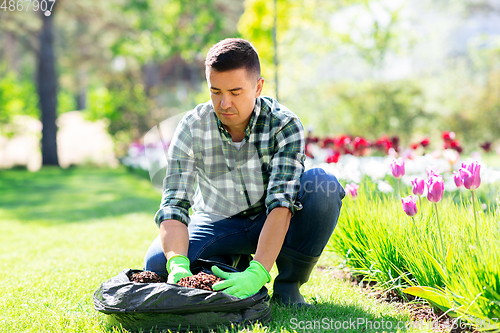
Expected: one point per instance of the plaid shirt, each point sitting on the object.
(207, 172)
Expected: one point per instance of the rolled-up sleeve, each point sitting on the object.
(287, 166)
(178, 189)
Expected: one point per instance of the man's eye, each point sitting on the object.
(216, 92)
(235, 94)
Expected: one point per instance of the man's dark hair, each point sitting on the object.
(233, 53)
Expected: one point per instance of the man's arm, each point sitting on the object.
(272, 236)
(173, 216)
(175, 241)
(174, 238)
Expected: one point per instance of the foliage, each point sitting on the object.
(373, 108)
(124, 104)
(339, 63)
(163, 29)
(293, 17)
(17, 97)
(90, 35)
(472, 95)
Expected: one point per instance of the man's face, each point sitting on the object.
(233, 95)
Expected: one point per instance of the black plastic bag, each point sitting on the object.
(163, 306)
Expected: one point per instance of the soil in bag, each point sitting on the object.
(156, 305)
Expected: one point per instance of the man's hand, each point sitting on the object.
(242, 284)
(178, 267)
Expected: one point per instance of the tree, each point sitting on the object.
(47, 89)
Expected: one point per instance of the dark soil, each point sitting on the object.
(200, 281)
(419, 312)
(146, 277)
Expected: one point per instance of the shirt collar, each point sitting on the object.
(248, 130)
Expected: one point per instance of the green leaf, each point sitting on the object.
(433, 295)
(449, 259)
(435, 263)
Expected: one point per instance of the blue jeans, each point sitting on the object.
(309, 231)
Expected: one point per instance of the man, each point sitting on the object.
(238, 162)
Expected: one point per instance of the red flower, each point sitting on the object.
(425, 142)
(383, 143)
(343, 144)
(414, 146)
(395, 142)
(360, 143)
(486, 146)
(334, 158)
(312, 139)
(455, 144)
(448, 136)
(308, 153)
(342, 140)
(327, 142)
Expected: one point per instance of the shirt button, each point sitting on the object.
(237, 167)
(241, 192)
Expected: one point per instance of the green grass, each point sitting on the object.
(63, 232)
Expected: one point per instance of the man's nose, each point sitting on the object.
(225, 103)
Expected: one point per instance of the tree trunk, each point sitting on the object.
(47, 90)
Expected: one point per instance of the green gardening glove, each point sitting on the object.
(242, 284)
(178, 267)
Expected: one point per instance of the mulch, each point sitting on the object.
(199, 281)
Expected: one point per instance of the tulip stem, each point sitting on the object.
(439, 229)
(420, 204)
(399, 185)
(461, 199)
(475, 219)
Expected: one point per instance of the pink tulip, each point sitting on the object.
(435, 188)
(470, 173)
(458, 179)
(410, 205)
(398, 168)
(352, 190)
(392, 152)
(408, 154)
(418, 186)
(431, 172)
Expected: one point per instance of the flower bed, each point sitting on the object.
(449, 256)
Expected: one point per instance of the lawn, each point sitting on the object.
(66, 231)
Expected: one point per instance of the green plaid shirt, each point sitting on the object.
(207, 172)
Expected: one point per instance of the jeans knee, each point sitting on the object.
(323, 185)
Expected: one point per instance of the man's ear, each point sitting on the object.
(260, 84)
